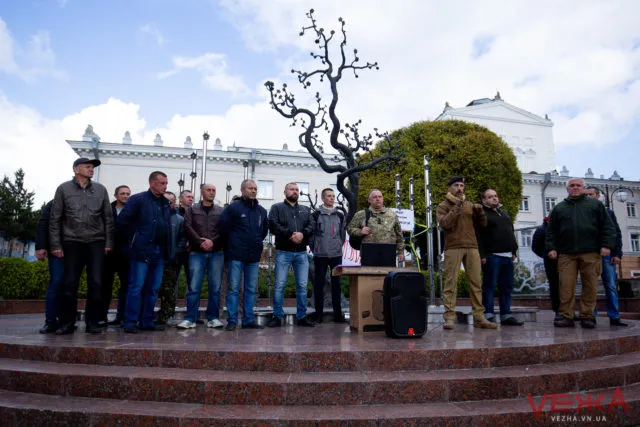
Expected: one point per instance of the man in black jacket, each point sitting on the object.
(81, 232)
(56, 272)
(116, 262)
(498, 248)
(580, 233)
(291, 224)
(609, 263)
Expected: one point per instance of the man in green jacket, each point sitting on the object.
(580, 232)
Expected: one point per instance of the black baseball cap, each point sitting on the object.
(83, 160)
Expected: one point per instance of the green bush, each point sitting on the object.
(21, 279)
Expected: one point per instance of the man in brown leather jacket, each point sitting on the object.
(458, 218)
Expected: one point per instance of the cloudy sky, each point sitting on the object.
(178, 67)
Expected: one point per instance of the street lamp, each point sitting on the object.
(623, 195)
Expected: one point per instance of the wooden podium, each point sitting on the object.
(363, 281)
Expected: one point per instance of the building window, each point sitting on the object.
(265, 189)
(635, 242)
(631, 209)
(303, 187)
(549, 204)
(525, 238)
(524, 204)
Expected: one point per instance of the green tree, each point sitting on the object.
(17, 218)
(454, 148)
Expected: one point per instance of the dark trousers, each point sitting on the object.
(183, 263)
(54, 291)
(114, 263)
(321, 264)
(168, 290)
(77, 256)
(551, 270)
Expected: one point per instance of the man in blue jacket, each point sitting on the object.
(291, 224)
(146, 221)
(609, 263)
(245, 226)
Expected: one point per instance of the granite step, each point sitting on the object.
(215, 352)
(326, 388)
(18, 408)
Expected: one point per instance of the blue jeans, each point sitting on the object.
(300, 262)
(52, 298)
(144, 282)
(497, 270)
(609, 281)
(213, 262)
(250, 269)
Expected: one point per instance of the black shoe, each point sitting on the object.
(115, 322)
(152, 328)
(230, 327)
(339, 318)
(50, 328)
(65, 329)
(93, 328)
(576, 316)
(275, 322)
(103, 324)
(305, 322)
(588, 323)
(558, 317)
(161, 322)
(315, 317)
(200, 322)
(252, 325)
(564, 323)
(131, 329)
(612, 322)
(511, 321)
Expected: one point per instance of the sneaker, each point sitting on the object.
(305, 322)
(448, 324)
(152, 328)
(484, 324)
(186, 324)
(214, 323)
(275, 322)
(65, 329)
(50, 328)
(617, 322)
(173, 322)
(252, 325)
(103, 323)
(588, 323)
(511, 321)
(564, 323)
(230, 327)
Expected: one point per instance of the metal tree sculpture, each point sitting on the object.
(345, 139)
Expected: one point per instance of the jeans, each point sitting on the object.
(300, 262)
(213, 262)
(497, 270)
(52, 298)
(144, 282)
(609, 281)
(321, 264)
(250, 269)
(77, 256)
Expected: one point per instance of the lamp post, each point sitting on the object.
(181, 183)
(228, 191)
(429, 207)
(623, 196)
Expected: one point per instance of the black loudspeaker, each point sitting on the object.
(405, 304)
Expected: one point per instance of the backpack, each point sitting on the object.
(356, 241)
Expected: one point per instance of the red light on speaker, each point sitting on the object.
(411, 332)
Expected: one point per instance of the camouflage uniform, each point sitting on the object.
(168, 291)
(384, 225)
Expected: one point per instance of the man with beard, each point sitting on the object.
(498, 248)
(459, 218)
(291, 224)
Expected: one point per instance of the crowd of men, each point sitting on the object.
(146, 240)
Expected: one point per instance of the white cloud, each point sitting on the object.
(546, 57)
(213, 68)
(151, 30)
(32, 61)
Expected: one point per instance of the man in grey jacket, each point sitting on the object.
(81, 232)
(326, 245)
